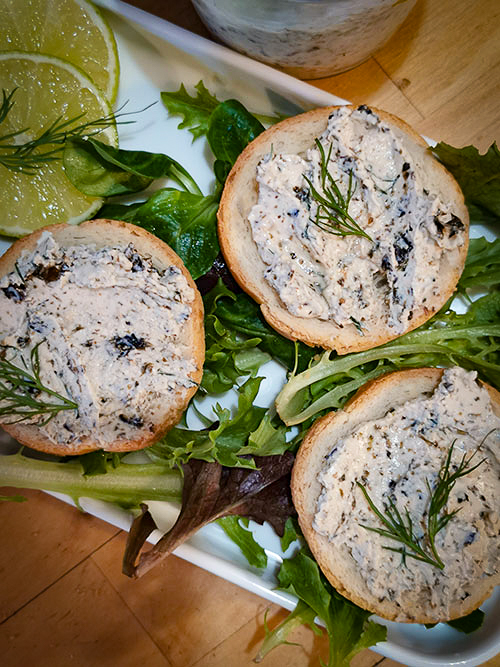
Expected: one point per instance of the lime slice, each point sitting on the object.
(47, 89)
(70, 29)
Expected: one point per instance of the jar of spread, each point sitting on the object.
(306, 38)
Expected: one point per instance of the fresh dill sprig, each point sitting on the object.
(401, 528)
(332, 214)
(29, 156)
(22, 392)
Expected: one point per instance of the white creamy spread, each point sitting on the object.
(352, 279)
(307, 39)
(398, 455)
(109, 326)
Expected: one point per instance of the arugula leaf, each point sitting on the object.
(195, 110)
(230, 440)
(100, 170)
(478, 175)
(234, 527)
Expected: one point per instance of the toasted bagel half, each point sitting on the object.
(346, 293)
(115, 322)
(392, 438)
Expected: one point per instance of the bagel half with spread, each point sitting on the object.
(392, 439)
(286, 247)
(115, 322)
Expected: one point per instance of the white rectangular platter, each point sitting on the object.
(156, 56)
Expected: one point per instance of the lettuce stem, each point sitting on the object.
(128, 484)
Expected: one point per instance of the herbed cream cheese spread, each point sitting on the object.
(399, 455)
(352, 279)
(109, 325)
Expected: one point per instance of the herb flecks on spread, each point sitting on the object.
(23, 395)
(100, 312)
(397, 231)
(402, 463)
(400, 527)
(332, 211)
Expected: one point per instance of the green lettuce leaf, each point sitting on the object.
(230, 441)
(195, 110)
(234, 527)
(348, 627)
(471, 340)
(482, 268)
(229, 355)
(235, 322)
(303, 614)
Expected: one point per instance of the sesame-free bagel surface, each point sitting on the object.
(295, 136)
(341, 560)
(112, 323)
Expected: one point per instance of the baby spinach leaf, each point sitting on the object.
(469, 623)
(118, 211)
(465, 624)
(186, 221)
(195, 110)
(94, 175)
(100, 170)
(230, 130)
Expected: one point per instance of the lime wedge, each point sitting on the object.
(46, 89)
(73, 30)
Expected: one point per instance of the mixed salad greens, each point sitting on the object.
(237, 467)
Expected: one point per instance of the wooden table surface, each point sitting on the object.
(63, 599)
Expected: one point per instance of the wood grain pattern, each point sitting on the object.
(63, 599)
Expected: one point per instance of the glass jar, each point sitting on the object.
(306, 38)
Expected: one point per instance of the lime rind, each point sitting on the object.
(113, 67)
(72, 207)
(78, 73)
(32, 26)
(17, 231)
